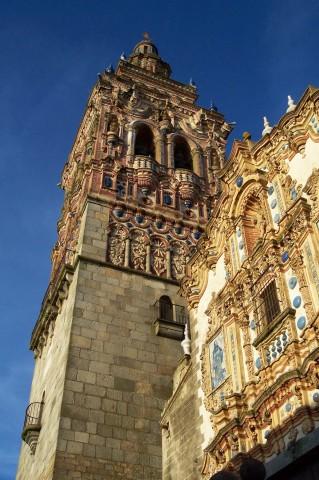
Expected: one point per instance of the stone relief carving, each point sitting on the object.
(116, 245)
(158, 255)
(139, 250)
(178, 259)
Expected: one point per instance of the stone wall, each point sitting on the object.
(119, 373)
(49, 377)
(182, 436)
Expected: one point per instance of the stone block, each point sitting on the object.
(86, 377)
(104, 430)
(89, 450)
(74, 447)
(99, 367)
(109, 406)
(112, 419)
(95, 390)
(79, 425)
(95, 439)
(124, 384)
(105, 380)
(79, 341)
(74, 386)
(92, 402)
(81, 437)
(91, 427)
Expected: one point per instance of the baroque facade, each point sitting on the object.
(156, 220)
(252, 287)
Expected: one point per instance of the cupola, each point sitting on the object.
(145, 55)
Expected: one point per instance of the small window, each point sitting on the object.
(182, 154)
(269, 303)
(166, 308)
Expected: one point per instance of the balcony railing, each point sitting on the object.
(169, 320)
(32, 424)
(145, 163)
(183, 175)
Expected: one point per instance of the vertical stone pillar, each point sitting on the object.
(197, 162)
(131, 143)
(170, 153)
(148, 258)
(244, 325)
(298, 269)
(168, 263)
(127, 253)
(159, 150)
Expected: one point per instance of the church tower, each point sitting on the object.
(139, 185)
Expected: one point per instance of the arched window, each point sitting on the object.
(252, 222)
(166, 308)
(144, 142)
(182, 154)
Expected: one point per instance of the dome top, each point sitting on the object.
(145, 55)
(146, 46)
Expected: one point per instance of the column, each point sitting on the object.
(159, 157)
(148, 258)
(131, 143)
(197, 162)
(127, 253)
(170, 153)
(168, 263)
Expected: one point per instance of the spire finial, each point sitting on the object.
(146, 36)
(186, 343)
(291, 104)
(123, 57)
(267, 127)
(109, 69)
(213, 107)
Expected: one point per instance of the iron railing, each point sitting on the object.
(169, 312)
(32, 417)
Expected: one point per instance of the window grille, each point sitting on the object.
(268, 303)
(166, 311)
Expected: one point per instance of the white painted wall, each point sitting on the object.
(216, 281)
(301, 166)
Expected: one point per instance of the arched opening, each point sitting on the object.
(166, 308)
(252, 222)
(144, 142)
(182, 154)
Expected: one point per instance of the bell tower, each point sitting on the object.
(139, 184)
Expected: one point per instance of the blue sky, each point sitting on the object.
(246, 56)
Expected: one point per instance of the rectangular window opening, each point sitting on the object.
(269, 302)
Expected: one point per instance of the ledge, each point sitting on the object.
(30, 436)
(272, 326)
(167, 329)
(148, 275)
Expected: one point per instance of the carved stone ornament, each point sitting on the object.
(139, 250)
(116, 244)
(137, 105)
(178, 259)
(158, 255)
